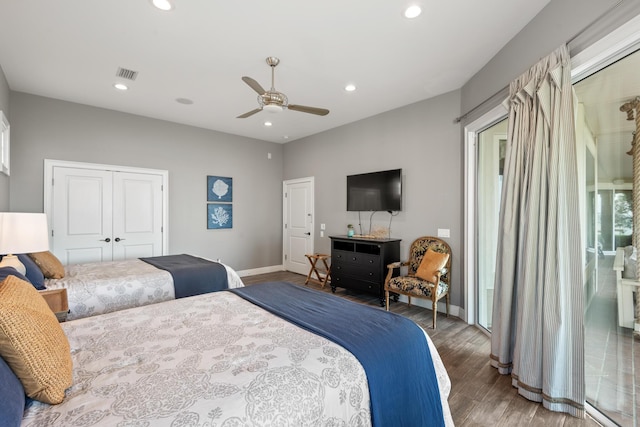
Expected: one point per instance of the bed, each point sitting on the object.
(220, 359)
(103, 287)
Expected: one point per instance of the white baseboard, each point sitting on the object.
(261, 270)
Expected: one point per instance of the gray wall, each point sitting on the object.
(44, 128)
(4, 106)
(559, 22)
(423, 140)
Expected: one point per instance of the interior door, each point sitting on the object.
(81, 219)
(104, 213)
(137, 219)
(298, 238)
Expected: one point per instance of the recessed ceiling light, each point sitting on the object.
(162, 4)
(185, 101)
(268, 123)
(350, 87)
(412, 12)
(285, 137)
(121, 86)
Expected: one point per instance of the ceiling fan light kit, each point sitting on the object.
(272, 108)
(273, 101)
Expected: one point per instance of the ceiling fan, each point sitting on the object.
(272, 100)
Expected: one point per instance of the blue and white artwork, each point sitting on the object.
(219, 215)
(219, 189)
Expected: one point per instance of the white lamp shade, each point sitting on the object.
(22, 233)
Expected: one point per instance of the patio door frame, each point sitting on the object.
(471, 132)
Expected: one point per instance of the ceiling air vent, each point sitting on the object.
(126, 74)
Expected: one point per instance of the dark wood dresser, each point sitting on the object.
(361, 264)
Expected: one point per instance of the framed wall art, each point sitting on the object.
(219, 215)
(219, 189)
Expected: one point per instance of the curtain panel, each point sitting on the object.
(537, 330)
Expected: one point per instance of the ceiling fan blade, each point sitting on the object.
(250, 113)
(310, 110)
(254, 85)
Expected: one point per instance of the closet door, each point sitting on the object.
(137, 215)
(103, 212)
(81, 218)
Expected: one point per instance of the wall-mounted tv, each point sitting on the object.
(375, 191)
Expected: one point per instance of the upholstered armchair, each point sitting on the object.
(428, 271)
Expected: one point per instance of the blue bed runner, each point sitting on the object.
(192, 275)
(392, 349)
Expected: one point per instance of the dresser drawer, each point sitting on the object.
(349, 282)
(355, 257)
(363, 271)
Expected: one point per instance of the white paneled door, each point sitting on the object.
(105, 215)
(297, 224)
(137, 219)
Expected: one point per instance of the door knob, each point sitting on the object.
(308, 233)
(117, 239)
(106, 240)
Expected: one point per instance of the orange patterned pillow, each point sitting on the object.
(50, 266)
(33, 343)
(432, 262)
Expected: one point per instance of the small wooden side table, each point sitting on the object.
(57, 301)
(322, 277)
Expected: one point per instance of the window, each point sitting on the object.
(4, 144)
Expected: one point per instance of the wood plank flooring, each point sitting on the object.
(479, 395)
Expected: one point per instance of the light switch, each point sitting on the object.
(443, 232)
(321, 226)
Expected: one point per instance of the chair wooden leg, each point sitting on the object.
(447, 299)
(409, 303)
(386, 297)
(435, 312)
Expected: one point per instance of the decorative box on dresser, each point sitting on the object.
(360, 264)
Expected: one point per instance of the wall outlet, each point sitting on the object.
(322, 234)
(443, 232)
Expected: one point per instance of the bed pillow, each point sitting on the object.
(10, 271)
(50, 266)
(11, 396)
(34, 274)
(431, 263)
(32, 342)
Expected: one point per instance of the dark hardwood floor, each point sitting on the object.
(479, 395)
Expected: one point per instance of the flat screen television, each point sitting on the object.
(375, 191)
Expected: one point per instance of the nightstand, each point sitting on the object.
(57, 300)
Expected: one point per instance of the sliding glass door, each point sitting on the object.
(604, 135)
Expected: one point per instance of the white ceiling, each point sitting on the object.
(71, 50)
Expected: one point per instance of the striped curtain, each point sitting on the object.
(537, 330)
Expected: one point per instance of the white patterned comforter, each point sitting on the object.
(103, 287)
(209, 360)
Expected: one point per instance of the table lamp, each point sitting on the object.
(22, 233)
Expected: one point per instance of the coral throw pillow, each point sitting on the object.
(50, 266)
(33, 343)
(432, 262)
